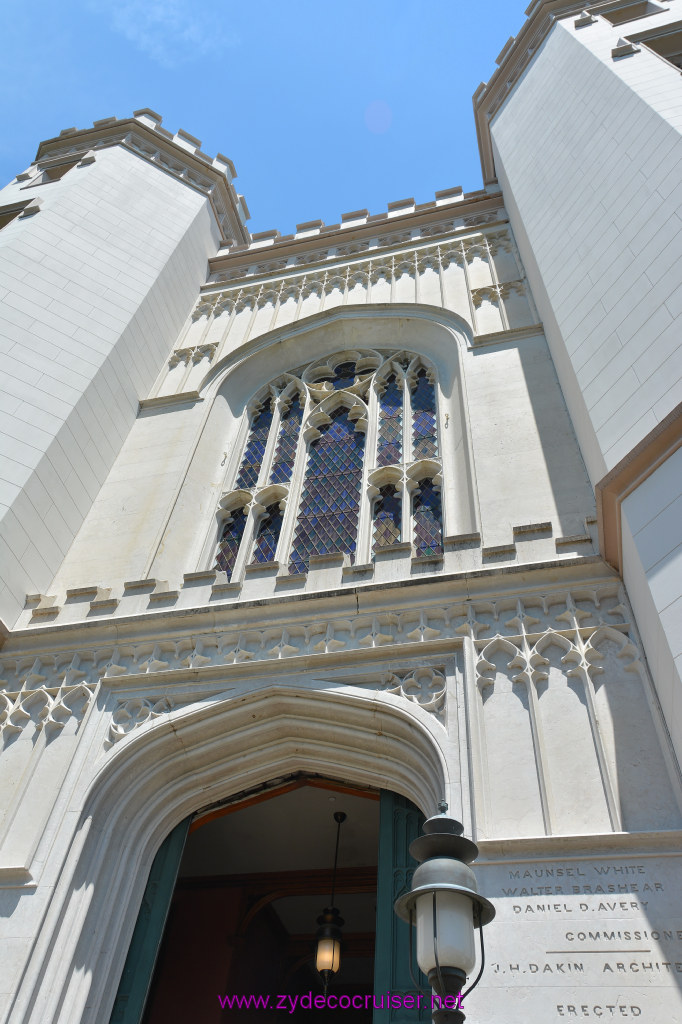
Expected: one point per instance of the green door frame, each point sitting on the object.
(144, 945)
(400, 822)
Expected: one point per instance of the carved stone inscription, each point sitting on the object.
(582, 939)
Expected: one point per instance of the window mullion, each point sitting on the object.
(406, 511)
(268, 454)
(254, 515)
(295, 486)
(363, 548)
(407, 422)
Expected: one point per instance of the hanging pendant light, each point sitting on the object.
(328, 936)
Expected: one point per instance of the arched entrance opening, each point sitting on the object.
(239, 888)
(195, 757)
(254, 876)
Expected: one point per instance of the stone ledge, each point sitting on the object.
(254, 567)
(205, 576)
(546, 847)
(399, 547)
(497, 550)
(183, 398)
(583, 564)
(545, 528)
(16, 878)
(511, 334)
(624, 49)
(578, 538)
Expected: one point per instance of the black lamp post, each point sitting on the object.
(446, 907)
(328, 936)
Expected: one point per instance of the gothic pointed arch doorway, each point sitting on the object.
(240, 887)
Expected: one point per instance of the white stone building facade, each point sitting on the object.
(394, 503)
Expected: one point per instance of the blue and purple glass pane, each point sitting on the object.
(230, 541)
(255, 449)
(285, 454)
(428, 520)
(390, 446)
(343, 377)
(330, 503)
(387, 516)
(424, 437)
(268, 535)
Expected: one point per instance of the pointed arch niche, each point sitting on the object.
(189, 761)
(388, 390)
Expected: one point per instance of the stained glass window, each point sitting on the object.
(424, 439)
(268, 535)
(387, 516)
(230, 541)
(428, 519)
(255, 448)
(390, 446)
(283, 464)
(329, 508)
(329, 476)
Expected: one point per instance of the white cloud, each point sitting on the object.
(170, 32)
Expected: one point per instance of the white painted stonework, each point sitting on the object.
(608, 293)
(513, 671)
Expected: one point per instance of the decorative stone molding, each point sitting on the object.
(131, 713)
(424, 686)
(48, 707)
(378, 265)
(511, 616)
(495, 292)
(578, 705)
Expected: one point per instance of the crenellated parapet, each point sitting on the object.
(179, 155)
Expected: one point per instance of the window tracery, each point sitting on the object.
(316, 477)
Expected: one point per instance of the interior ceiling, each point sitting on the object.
(294, 831)
(286, 836)
(299, 914)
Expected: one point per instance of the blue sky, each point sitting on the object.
(324, 108)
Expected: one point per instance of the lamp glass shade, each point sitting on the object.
(328, 956)
(454, 929)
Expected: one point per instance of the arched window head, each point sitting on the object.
(255, 448)
(424, 433)
(306, 449)
(428, 519)
(267, 538)
(390, 446)
(230, 539)
(330, 502)
(387, 518)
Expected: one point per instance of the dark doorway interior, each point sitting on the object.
(254, 877)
